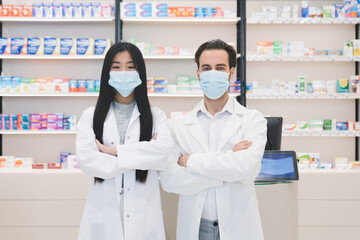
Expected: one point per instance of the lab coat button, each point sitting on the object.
(215, 224)
(128, 137)
(128, 215)
(112, 143)
(128, 189)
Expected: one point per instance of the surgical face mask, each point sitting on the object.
(214, 83)
(124, 81)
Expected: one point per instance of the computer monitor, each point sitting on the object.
(274, 131)
(278, 166)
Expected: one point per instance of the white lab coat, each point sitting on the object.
(143, 218)
(231, 173)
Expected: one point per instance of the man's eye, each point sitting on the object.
(220, 68)
(206, 69)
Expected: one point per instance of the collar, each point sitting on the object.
(231, 106)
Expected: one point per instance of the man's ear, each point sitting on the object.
(232, 73)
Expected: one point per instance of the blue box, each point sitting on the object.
(18, 46)
(101, 46)
(90, 85)
(199, 12)
(14, 121)
(6, 121)
(35, 46)
(341, 126)
(5, 46)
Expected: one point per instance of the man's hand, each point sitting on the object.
(243, 145)
(106, 149)
(183, 160)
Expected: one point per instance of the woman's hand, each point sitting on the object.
(243, 145)
(106, 149)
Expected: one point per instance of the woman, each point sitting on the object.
(121, 144)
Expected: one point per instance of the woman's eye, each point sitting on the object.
(131, 67)
(115, 67)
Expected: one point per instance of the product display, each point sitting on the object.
(341, 10)
(53, 46)
(183, 84)
(58, 10)
(163, 10)
(17, 84)
(304, 88)
(37, 121)
(325, 127)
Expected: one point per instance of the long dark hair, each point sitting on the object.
(107, 94)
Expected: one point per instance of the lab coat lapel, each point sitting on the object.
(110, 128)
(233, 124)
(134, 116)
(197, 132)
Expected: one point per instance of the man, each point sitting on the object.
(219, 146)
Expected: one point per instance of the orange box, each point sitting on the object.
(180, 12)
(189, 12)
(1, 9)
(161, 50)
(7, 10)
(218, 12)
(27, 11)
(264, 43)
(17, 11)
(172, 11)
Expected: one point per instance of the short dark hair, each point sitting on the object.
(217, 44)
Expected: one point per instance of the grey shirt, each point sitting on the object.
(123, 113)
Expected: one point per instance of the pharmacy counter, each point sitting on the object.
(48, 204)
(329, 204)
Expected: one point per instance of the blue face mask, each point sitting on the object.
(214, 83)
(124, 81)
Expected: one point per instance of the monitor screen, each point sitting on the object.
(278, 166)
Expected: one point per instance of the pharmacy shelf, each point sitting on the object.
(336, 134)
(180, 95)
(182, 20)
(260, 58)
(303, 21)
(38, 132)
(49, 94)
(155, 95)
(305, 96)
(33, 19)
(168, 57)
(40, 171)
(53, 57)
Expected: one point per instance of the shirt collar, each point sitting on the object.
(227, 108)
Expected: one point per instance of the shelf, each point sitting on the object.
(259, 58)
(39, 171)
(54, 57)
(337, 96)
(33, 19)
(306, 21)
(180, 95)
(171, 95)
(37, 132)
(49, 94)
(182, 20)
(168, 57)
(338, 134)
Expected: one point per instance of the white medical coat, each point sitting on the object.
(143, 218)
(231, 173)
